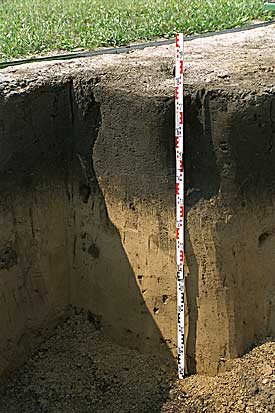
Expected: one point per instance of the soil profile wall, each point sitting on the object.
(87, 210)
(64, 242)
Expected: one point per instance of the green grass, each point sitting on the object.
(30, 27)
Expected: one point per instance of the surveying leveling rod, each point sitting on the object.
(179, 199)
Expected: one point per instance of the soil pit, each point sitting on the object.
(87, 214)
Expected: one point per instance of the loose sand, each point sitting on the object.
(79, 370)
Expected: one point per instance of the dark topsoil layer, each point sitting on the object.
(79, 370)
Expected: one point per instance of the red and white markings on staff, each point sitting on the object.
(180, 199)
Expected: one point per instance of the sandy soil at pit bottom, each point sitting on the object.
(79, 370)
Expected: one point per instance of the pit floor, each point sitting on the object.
(79, 370)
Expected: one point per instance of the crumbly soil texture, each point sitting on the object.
(78, 369)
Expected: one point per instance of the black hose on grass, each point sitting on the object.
(127, 49)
